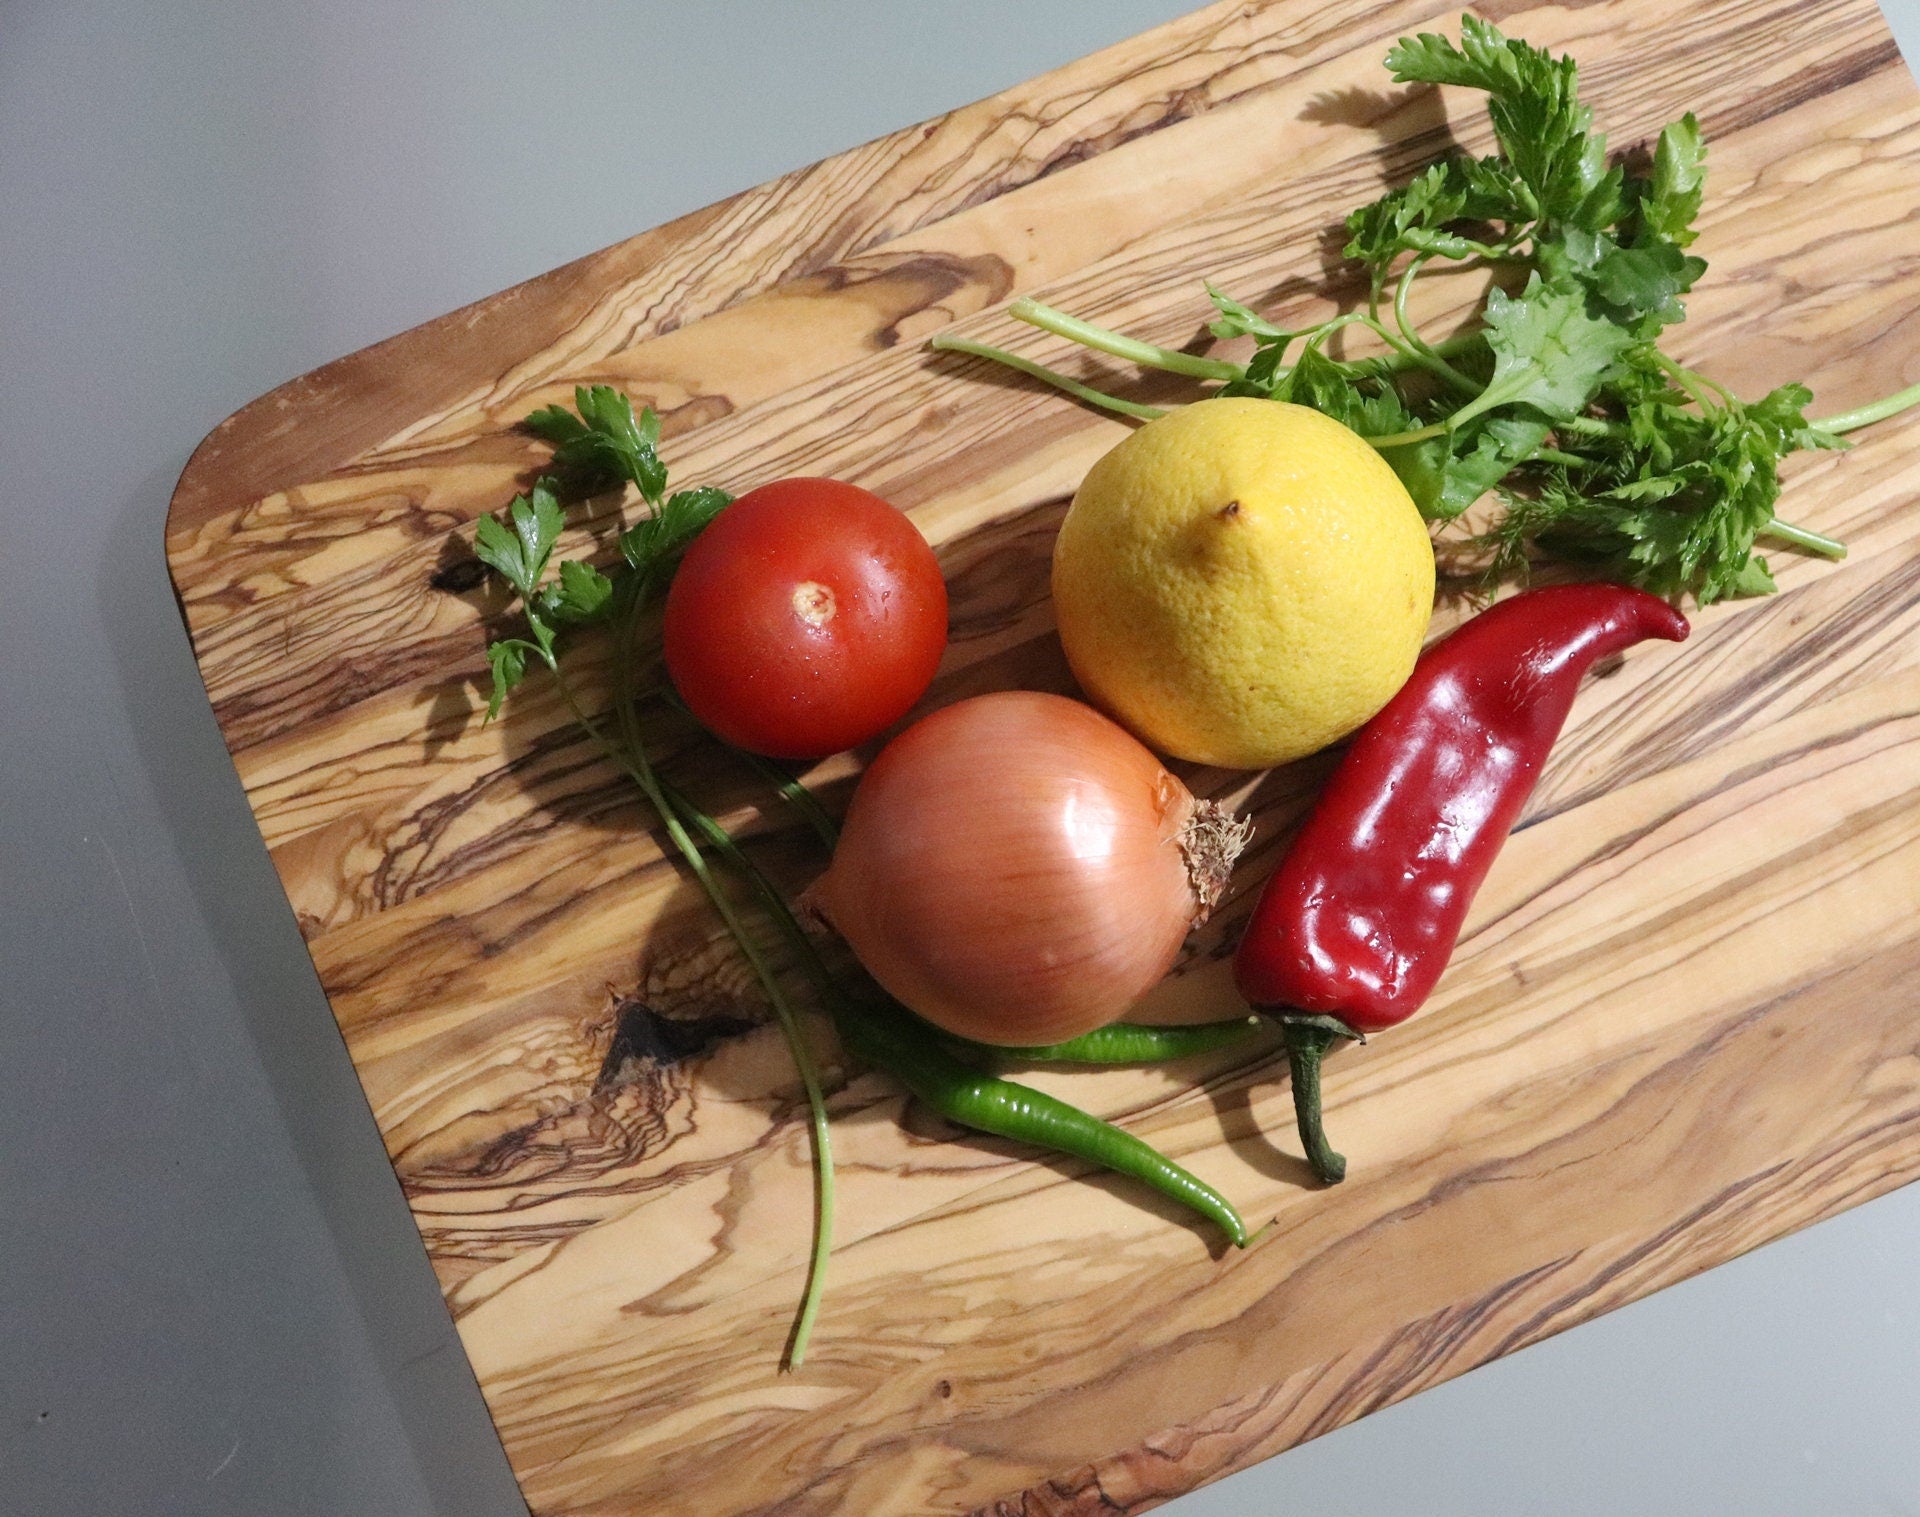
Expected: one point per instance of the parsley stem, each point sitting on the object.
(790, 789)
(1403, 356)
(632, 756)
(1058, 380)
(1460, 342)
(1498, 394)
(771, 901)
(1690, 380)
(587, 723)
(1422, 353)
(1395, 362)
(1879, 410)
(1103, 340)
(795, 795)
(1407, 351)
(1317, 336)
(808, 957)
(1401, 439)
(1801, 537)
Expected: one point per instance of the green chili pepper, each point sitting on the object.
(885, 1037)
(1127, 1043)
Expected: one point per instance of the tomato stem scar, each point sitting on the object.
(813, 603)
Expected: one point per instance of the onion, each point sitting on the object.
(1018, 869)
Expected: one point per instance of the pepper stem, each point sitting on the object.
(1308, 1039)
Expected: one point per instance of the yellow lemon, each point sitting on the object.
(1242, 581)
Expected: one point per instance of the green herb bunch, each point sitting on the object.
(1601, 448)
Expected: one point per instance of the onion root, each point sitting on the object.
(1211, 840)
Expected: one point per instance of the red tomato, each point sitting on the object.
(807, 618)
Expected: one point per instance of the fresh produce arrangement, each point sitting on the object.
(602, 443)
(1241, 582)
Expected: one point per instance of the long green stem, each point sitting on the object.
(1053, 377)
(1316, 338)
(1397, 362)
(1403, 355)
(1493, 395)
(1691, 380)
(1867, 415)
(789, 789)
(1104, 340)
(1802, 537)
(771, 901)
(634, 760)
(802, 800)
(797, 796)
(1423, 353)
(1409, 355)
(1401, 439)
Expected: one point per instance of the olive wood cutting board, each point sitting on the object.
(1682, 1021)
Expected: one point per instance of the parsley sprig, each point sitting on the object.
(1599, 447)
(604, 444)
(601, 443)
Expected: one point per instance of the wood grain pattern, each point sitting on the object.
(1681, 1022)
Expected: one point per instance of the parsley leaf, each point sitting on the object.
(507, 659)
(1549, 351)
(1410, 219)
(583, 594)
(519, 553)
(1647, 280)
(652, 546)
(1444, 478)
(1542, 127)
(557, 425)
(1371, 408)
(606, 441)
(1783, 412)
(1418, 218)
(1679, 182)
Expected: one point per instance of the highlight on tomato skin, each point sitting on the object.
(808, 618)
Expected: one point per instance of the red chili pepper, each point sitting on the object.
(1355, 926)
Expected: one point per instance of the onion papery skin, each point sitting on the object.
(1012, 869)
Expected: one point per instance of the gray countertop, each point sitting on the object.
(212, 1299)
